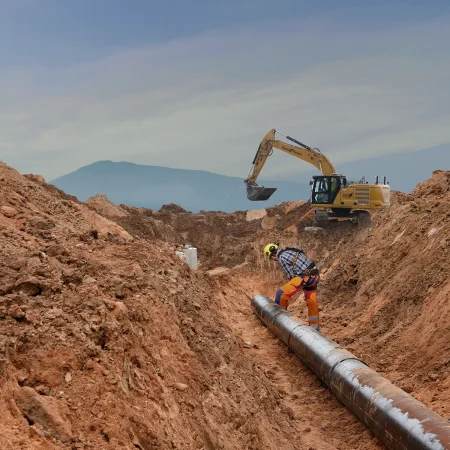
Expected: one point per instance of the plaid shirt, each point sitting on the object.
(287, 257)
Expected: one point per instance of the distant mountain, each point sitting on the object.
(153, 186)
(403, 170)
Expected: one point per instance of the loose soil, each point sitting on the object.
(109, 340)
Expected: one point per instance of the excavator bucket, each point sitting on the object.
(258, 193)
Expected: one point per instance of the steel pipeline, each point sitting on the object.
(396, 418)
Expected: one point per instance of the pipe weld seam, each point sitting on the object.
(341, 361)
(290, 333)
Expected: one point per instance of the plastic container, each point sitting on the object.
(191, 257)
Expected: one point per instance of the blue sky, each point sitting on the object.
(197, 84)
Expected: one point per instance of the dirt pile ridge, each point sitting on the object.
(111, 342)
(105, 207)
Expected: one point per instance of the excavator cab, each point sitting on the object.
(326, 187)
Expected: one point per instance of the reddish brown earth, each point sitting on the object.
(108, 340)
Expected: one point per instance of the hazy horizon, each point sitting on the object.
(197, 85)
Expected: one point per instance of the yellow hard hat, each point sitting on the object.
(271, 249)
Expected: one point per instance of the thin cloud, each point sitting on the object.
(206, 102)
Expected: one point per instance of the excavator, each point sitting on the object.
(331, 197)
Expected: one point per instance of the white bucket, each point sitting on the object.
(191, 257)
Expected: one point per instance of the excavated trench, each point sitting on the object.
(388, 328)
(315, 418)
(396, 418)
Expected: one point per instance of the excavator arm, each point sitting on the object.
(302, 151)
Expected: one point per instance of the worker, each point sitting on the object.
(334, 187)
(302, 274)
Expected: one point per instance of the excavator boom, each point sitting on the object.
(301, 151)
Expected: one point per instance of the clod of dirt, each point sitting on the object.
(16, 313)
(45, 411)
(255, 214)
(29, 285)
(8, 211)
(314, 230)
(268, 223)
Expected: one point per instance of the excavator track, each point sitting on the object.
(321, 217)
(363, 218)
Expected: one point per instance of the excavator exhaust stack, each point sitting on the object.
(258, 193)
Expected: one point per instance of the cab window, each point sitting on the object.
(321, 190)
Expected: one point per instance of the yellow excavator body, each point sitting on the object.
(363, 196)
(330, 194)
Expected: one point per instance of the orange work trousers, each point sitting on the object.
(309, 286)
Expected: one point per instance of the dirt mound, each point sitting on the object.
(222, 239)
(147, 224)
(172, 207)
(105, 207)
(111, 342)
(438, 186)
